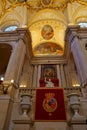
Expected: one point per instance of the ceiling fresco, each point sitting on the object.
(49, 48)
(46, 20)
(47, 32)
(8, 5)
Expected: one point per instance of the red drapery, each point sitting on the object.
(50, 104)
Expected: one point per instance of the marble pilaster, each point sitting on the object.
(73, 34)
(35, 77)
(15, 62)
(25, 20)
(62, 76)
(58, 75)
(31, 76)
(67, 76)
(39, 74)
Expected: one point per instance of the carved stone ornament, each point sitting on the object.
(46, 3)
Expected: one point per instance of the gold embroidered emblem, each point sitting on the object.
(50, 103)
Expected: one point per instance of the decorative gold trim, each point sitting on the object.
(15, 3)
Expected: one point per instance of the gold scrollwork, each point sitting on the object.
(45, 3)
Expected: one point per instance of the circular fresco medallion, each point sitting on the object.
(47, 32)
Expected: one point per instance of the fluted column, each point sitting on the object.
(39, 74)
(58, 75)
(35, 77)
(31, 76)
(16, 61)
(28, 76)
(63, 82)
(67, 76)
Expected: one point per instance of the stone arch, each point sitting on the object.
(10, 19)
(48, 14)
(80, 14)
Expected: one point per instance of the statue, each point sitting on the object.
(49, 84)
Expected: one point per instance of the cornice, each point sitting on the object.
(15, 36)
(48, 60)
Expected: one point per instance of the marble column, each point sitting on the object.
(67, 76)
(62, 76)
(15, 63)
(35, 77)
(80, 60)
(58, 75)
(39, 74)
(31, 76)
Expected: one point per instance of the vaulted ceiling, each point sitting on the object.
(47, 20)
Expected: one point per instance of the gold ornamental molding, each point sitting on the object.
(8, 5)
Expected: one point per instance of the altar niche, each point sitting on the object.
(49, 76)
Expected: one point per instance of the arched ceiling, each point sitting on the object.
(51, 23)
(47, 20)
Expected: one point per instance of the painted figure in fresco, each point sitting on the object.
(47, 32)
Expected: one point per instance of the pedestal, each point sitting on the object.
(50, 126)
(79, 124)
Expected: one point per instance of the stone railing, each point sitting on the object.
(67, 90)
(30, 91)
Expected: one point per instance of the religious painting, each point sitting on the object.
(48, 48)
(50, 104)
(47, 32)
(49, 76)
(48, 71)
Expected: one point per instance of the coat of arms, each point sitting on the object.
(49, 103)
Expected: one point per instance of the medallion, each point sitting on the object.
(47, 32)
